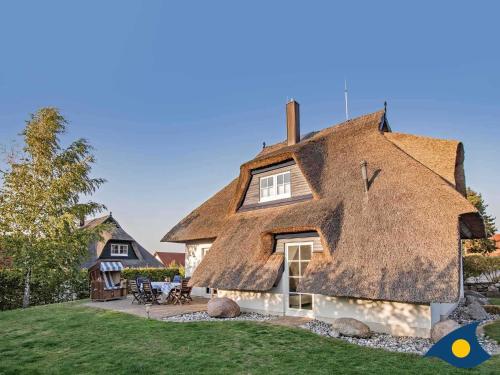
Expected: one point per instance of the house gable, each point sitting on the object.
(137, 255)
(106, 251)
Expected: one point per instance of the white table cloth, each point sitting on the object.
(165, 288)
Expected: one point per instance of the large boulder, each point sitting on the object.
(441, 329)
(351, 327)
(473, 299)
(223, 307)
(476, 311)
(473, 293)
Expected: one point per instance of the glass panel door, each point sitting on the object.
(297, 258)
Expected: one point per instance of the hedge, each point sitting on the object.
(44, 290)
(154, 274)
(54, 289)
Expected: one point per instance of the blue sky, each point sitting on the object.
(175, 96)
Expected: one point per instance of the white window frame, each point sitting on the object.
(291, 310)
(275, 195)
(119, 250)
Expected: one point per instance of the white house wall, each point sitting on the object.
(400, 319)
(403, 319)
(193, 259)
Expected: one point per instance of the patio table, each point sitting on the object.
(165, 288)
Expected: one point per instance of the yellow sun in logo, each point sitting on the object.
(460, 348)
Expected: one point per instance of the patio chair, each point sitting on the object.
(181, 294)
(136, 292)
(139, 280)
(186, 290)
(149, 293)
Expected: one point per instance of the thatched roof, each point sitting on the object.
(444, 157)
(144, 257)
(397, 242)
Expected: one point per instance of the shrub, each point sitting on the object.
(52, 288)
(154, 274)
(477, 265)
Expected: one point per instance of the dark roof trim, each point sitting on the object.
(384, 123)
(296, 235)
(276, 203)
(272, 167)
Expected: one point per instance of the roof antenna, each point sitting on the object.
(346, 102)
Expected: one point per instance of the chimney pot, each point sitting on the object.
(292, 122)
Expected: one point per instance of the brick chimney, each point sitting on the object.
(292, 122)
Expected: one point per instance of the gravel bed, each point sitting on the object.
(203, 316)
(461, 316)
(400, 344)
(378, 340)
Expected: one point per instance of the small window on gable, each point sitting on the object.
(119, 250)
(274, 187)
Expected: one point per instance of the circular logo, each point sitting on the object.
(460, 348)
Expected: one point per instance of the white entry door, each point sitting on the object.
(297, 257)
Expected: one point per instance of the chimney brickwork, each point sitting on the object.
(292, 122)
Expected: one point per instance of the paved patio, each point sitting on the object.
(156, 311)
(163, 311)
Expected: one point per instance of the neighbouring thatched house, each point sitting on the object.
(351, 221)
(116, 245)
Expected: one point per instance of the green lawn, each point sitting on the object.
(70, 339)
(494, 301)
(493, 331)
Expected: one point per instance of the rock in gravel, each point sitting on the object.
(473, 293)
(476, 297)
(477, 312)
(471, 299)
(441, 329)
(223, 307)
(351, 327)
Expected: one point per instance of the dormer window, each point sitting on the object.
(274, 187)
(119, 250)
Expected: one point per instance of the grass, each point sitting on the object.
(493, 331)
(494, 301)
(71, 339)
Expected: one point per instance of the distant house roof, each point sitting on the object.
(398, 242)
(144, 257)
(496, 238)
(167, 257)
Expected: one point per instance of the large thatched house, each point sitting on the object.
(351, 221)
(117, 245)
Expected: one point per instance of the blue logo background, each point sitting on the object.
(443, 348)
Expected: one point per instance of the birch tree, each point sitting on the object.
(41, 201)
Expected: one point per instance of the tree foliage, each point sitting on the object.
(40, 201)
(482, 267)
(484, 245)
